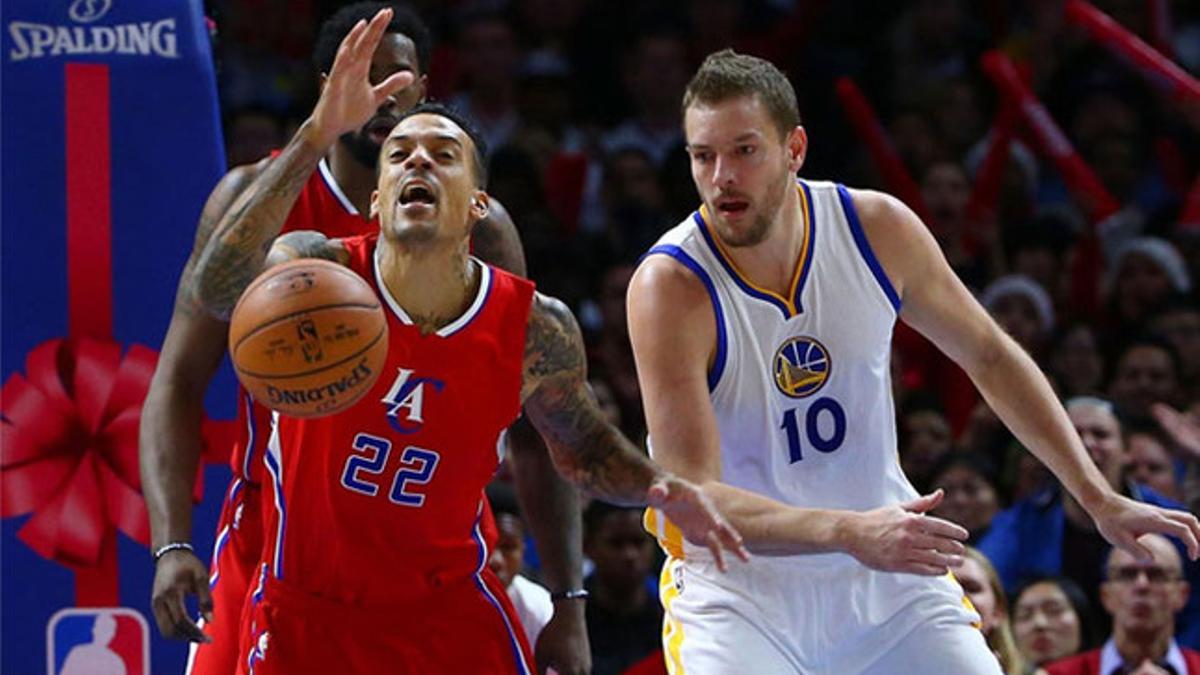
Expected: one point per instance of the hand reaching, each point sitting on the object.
(1183, 428)
(349, 99)
(1122, 520)
(694, 514)
(902, 538)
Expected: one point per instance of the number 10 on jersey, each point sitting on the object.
(824, 428)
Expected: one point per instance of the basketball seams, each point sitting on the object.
(379, 335)
(300, 312)
(272, 273)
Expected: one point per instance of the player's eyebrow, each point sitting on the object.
(740, 138)
(443, 137)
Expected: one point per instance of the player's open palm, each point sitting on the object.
(349, 99)
(176, 576)
(1122, 520)
(693, 513)
(902, 538)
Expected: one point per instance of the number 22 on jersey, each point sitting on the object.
(416, 468)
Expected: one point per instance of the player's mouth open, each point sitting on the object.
(732, 207)
(418, 194)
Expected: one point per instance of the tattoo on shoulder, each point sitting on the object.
(553, 344)
(222, 197)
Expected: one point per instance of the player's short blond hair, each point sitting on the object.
(727, 74)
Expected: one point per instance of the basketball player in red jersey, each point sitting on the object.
(334, 200)
(392, 488)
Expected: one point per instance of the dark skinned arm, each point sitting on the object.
(169, 440)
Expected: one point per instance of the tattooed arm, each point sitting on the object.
(588, 450)
(236, 251)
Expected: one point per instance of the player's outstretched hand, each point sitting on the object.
(177, 575)
(693, 513)
(1122, 520)
(349, 99)
(902, 538)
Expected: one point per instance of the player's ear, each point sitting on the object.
(479, 205)
(374, 204)
(422, 86)
(322, 79)
(797, 145)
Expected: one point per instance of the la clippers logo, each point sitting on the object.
(87, 11)
(407, 398)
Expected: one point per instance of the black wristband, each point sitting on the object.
(173, 546)
(574, 594)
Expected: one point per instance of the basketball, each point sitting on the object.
(308, 338)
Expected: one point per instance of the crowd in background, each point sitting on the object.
(579, 104)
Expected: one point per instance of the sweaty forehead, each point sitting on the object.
(428, 125)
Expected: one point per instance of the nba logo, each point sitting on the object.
(97, 641)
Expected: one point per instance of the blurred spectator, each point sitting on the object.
(1150, 460)
(924, 438)
(1145, 272)
(624, 618)
(487, 61)
(1143, 598)
(912, 131)
(530, 600)
(1146, 371)
(655, 74)
(633, 203)
(251, 133)
(1179, 323)
(958, 114)
(932, 40)
(945, 188)
(1037, 249)
(613, 355)
(1050, 620)
(1023, 309)
(1050, 533)
(969, 483)
(980, 583)
(1076, 366)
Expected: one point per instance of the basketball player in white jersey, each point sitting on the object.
(762, 331)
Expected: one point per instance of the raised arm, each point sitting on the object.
(169, 439)
(588, 450)
(673, 329)
(939, 306)
(235, 253)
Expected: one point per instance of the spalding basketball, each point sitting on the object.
(308, 338)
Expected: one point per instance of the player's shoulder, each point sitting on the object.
(674, 269)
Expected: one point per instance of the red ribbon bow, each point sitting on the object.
(68, 446)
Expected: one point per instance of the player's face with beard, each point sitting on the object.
(741, 166)
(396, 53)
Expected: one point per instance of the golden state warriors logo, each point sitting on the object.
(801, 366)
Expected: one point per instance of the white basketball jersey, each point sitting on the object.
(801, 384)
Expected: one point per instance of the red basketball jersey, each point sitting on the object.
(383, 501)
(321, 206)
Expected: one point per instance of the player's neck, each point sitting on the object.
(433, 284)
(354, 178)
(771, 263)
